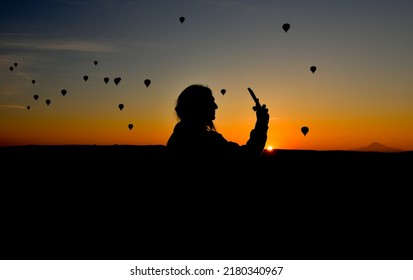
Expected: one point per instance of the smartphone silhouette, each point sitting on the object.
(257, 102)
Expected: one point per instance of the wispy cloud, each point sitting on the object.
(19, 34)
(30, 41)
(13, 106)
(80, 46)
(106, 3)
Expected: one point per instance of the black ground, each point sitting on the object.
(132, 202)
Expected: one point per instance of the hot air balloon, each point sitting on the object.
(182, 19)
(304, 130)
(85, 77)
(35, 97)
(117, 80)
(11, 68)
(15, 64)
(28, 107)
(121, 106)
(286, 27)
(147, 82)
(95, 62)
(130, 126)
(33, 82)
(48, 102)
(106, 79)
(313, 68)
(223, 91)
(63, 91)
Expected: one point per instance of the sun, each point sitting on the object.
(269, 148)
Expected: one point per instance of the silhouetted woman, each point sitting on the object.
(195, 140)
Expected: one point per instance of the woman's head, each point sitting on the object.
(196, 103)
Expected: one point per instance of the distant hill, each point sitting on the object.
(377, 147)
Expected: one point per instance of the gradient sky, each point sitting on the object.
(361, 92)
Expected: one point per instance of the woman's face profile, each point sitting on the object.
(210, 108)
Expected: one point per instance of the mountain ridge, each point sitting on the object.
(377, 147)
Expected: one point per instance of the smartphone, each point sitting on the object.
(257, 102)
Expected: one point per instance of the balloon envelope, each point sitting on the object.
(28, 107)
(48, 102)
(313, 68)
(35, 97)
(11, 68)
(130, 126)
(95, 62)
(63, 91)
(85, 78)
(33, 82)
(182, 19)
(117, 80)
(223, 91)
(286, 26)
(121, 106)
(15, 64)
(147, 82)
(106, 79)
(305, 130)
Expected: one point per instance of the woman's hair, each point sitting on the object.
(193, 105)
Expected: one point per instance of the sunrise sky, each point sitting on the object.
(361, 92)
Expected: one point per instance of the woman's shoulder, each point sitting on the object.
(215, 135)
(220, 139)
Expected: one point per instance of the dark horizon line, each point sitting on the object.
(360, 150)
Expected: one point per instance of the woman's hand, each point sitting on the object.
(263, 117)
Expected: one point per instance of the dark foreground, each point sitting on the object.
(132, 202)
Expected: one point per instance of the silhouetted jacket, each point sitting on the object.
(194, 143)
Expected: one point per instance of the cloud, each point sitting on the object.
(30, 42)
(13, 106)
(107, 4)
(80, 46)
